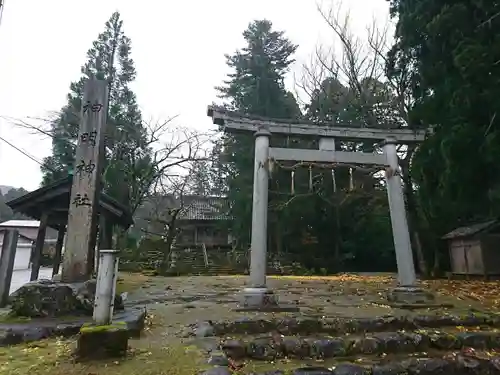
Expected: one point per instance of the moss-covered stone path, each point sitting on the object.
(344, 327)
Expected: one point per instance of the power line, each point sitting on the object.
(22, 152)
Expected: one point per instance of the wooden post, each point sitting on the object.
(58, 254)
(86, 183)
(39, 243)
(9, 246)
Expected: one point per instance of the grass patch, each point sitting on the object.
(8, 318)
(53, 357)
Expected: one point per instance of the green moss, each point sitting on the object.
(11, 318)
(482, 315)
(89, 327)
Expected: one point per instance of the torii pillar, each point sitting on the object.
(257, 296)
(407, 292)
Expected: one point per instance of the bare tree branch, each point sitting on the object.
(167, 148)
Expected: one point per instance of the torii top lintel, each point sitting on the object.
(236, 122)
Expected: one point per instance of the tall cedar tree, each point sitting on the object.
(256, 87)
(128, 166)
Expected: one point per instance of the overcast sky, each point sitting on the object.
(178, 47)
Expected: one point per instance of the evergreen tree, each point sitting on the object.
(255, 87)
(128, 166)
(6, 212)
(450, 49)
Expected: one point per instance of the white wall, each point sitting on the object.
(23, 253)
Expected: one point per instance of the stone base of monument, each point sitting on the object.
(35, 329)
(411, 297)
(262, 299)
(49, 298)
(101, 342)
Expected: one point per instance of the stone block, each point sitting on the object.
(262, 348)
(312, 370)
(258, 297)
(410, 296)
(49, 298)
(101, 342)
(295, 347)
(330, 347)
(218, 358)
(350, 369)
(45, 298)
(234, 349)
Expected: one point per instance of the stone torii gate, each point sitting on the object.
(258, 295)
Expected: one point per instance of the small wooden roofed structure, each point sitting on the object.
(50, 205)
(238, 122)
(475, 249)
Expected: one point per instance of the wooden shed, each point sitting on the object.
(475, 250)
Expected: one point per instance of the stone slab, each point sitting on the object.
(270, 308)
(416, 306)
(458, 364)
(38, 329)
(410, 296)
(258, 298)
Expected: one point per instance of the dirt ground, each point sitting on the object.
(173, 303)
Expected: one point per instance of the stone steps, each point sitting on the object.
(272, 347)
(409, 345)
(450, 364)
(340, 326)
(194, 261)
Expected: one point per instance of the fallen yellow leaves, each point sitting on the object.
(341, 278)
(484, 292)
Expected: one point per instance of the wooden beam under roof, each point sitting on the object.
(236, 122)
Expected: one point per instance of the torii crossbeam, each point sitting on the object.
(258, 295)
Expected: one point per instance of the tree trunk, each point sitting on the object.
(171, 233)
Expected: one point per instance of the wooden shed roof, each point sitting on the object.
(470, 230)
(55, 199)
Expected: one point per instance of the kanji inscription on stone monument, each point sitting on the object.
(86, 183)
